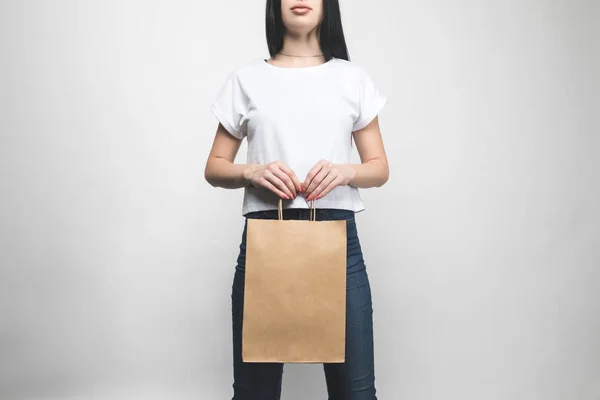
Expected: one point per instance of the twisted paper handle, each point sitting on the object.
(312, 215)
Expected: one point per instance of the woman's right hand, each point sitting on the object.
(276, 177)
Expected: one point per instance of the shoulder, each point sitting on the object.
(349, 66)
(351, 71)
(246, 68)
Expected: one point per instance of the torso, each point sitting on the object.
(300, 116)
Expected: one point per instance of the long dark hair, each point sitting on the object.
(331, 34)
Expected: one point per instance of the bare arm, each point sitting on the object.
(221, 171)
(372, 171)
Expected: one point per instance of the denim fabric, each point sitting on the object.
(352, 380)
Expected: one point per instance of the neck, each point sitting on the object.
(305, 45)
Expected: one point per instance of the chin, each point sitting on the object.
(300, 26)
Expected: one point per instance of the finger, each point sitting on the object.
(311, 174)
(336, 182)
(285, 178)
(324, 183)
(268, 185)
(269, 176)
(275, 169)
(316, 182)
(292, 176)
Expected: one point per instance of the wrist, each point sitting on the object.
(348, 172)
(247, 173)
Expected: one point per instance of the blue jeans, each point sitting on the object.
(352, 380)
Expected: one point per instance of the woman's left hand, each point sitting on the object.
(324, 176)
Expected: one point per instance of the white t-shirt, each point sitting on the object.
(298, 116)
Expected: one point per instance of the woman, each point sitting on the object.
(300, 110)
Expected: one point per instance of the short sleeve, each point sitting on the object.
(231, 107)
(371, 101)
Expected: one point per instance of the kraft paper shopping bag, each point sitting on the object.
(295, 290)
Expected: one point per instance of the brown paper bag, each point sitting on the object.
(295, 291)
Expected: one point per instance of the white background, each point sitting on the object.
(117, 257)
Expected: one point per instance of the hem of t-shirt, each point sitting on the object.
(366, 120)
(249, 209)
(222, 117)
